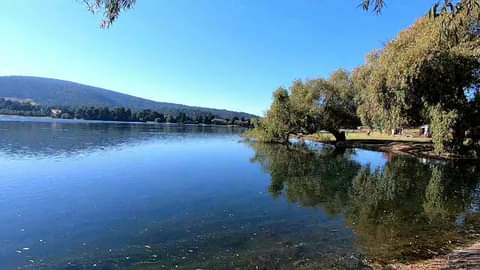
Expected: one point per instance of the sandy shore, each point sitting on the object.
(464, 258)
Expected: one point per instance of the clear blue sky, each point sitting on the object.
(214, 53)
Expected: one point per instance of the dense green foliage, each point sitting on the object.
(27, 108)
(278, 118)
(309, 106)
(423, 76)
(16, 107)
(442, 122)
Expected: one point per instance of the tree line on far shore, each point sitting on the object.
(28, 108)
(428, 74)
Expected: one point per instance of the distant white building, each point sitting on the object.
(55, 112)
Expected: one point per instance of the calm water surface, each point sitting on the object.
(76, 195)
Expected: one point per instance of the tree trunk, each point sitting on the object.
(286, 139)
(339, 150)
(339, 135)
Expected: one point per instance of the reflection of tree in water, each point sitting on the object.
(408, 210)
(306, 177)
(403, 211)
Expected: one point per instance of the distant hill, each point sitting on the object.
(52, 92)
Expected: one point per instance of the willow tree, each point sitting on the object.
(292, 111)
(423, 73)
(369, 109)
(309, 106)
(337, 104)
(277, 124)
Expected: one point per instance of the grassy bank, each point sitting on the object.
(363, 136)
(399, 144)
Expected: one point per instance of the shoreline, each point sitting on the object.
(22, 118)
(460, 258)
(411, 148)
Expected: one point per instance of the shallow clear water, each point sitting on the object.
(77, 195)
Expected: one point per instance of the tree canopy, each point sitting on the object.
(309, 106)
(423, 73)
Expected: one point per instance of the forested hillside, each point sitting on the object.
(52, 92)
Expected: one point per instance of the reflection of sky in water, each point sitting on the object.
(40, 138)
(375, 160)
(93, 193)
(98, 193)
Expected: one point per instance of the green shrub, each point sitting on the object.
(443, 123)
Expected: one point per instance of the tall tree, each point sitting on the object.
(311, 106)
(277, 124)
(340, 106)
(421, 71)
(368, 110)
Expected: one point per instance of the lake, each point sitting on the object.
(85, 195)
